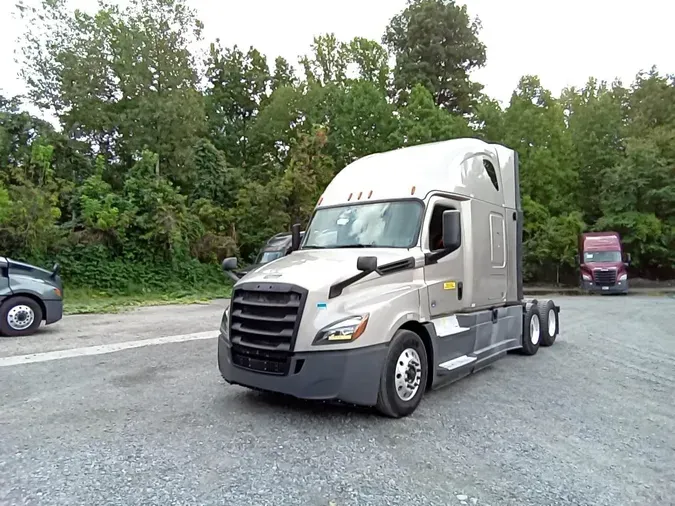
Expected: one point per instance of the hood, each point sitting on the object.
(318, 269)
(17, 268)
(28, 269)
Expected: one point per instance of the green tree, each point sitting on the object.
(436, 44)
(328, 61)
(596, 121)
(362, 123)
(284, 74)
(371, 60)
(238, 85)
(421, 120)
(535, 127)
(122, 80)
(308, 173)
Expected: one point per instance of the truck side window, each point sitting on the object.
(436, 227)
(491, 172)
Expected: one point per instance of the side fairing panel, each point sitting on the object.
(489, 273)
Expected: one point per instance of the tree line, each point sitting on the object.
(168, 158)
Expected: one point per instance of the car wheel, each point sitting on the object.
(404, 375)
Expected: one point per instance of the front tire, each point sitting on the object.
(19, 316)
(531, 331)
(404, 375)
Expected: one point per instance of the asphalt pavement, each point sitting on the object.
(590, 421)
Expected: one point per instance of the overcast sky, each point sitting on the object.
(564, 42)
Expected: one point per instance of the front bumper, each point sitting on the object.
(53, 311)
(351, 376)
(619, 287)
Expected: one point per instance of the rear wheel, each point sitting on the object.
(404, 375)
(549, 323)
(19, 316)
(531, 331)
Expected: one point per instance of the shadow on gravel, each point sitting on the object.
(254, 399)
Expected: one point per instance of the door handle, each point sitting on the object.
(460, 287)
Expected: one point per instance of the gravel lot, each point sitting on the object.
(590, 421)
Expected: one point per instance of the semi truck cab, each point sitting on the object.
(601, 263)
(409, 277)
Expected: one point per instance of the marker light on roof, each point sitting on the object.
(359, 197)
(370, 193)
(320, 200)
(412, 191)
(350, 197)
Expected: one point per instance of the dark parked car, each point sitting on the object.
(276, 247)
(29, 295)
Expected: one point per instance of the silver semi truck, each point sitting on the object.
(409, 277)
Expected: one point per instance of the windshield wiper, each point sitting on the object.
(341, 246)
(354, 246)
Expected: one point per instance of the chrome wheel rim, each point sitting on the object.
(551, 322)
(20, 317)
(408, 374)
(534, 329)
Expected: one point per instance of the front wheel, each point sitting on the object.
(19, 316)
(404, 375)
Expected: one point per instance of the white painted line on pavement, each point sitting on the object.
(100, 350)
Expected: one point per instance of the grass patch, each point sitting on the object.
(88, 301)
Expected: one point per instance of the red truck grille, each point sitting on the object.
(605, 277)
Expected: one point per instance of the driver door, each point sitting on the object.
(444, 279)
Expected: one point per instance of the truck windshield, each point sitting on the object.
(374, 225)
(602, 256)
(267, 256)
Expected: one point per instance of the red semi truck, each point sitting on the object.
(601, 262)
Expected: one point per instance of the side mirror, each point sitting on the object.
(56, 270)
(628, 259)
(295, 237)
(452, 230)
(366, 264)
(229, 264)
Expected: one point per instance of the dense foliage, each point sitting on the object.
(166, 160)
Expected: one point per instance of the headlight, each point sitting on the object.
(586, 277)
(623, 277)
(347, 330)
(224, 322)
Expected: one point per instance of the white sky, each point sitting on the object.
(563, 42)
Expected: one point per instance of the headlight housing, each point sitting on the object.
(623, 277)
(347, 330)
(225, 321)
(587, 277)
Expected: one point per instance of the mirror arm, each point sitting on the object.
(336, 289)
(434, 256)
(233, 276)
